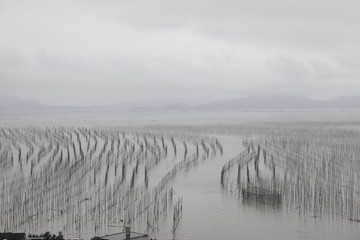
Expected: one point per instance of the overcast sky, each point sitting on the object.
(88, 52)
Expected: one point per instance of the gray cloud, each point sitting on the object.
(98, 52)
(10, 58)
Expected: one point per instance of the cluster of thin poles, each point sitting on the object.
(316, 170)
(77, 180)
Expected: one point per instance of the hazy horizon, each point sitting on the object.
(255, 103)
(88, 53)
(160, 102)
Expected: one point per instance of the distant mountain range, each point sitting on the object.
(284, 102)
(252, 102)
(15, 103)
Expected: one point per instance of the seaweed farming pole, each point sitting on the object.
(273, 175)
(239, 174)
(256, 163)
(177, 215)
(247, 174)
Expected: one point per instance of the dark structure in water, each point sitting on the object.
(12, 236)
(261, 194)
(127, 235)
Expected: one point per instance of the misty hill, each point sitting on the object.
(251, 102)
(283, 102)
(19, 104)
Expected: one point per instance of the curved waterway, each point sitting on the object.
(210, 212)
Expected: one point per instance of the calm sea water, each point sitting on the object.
(210, 212)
